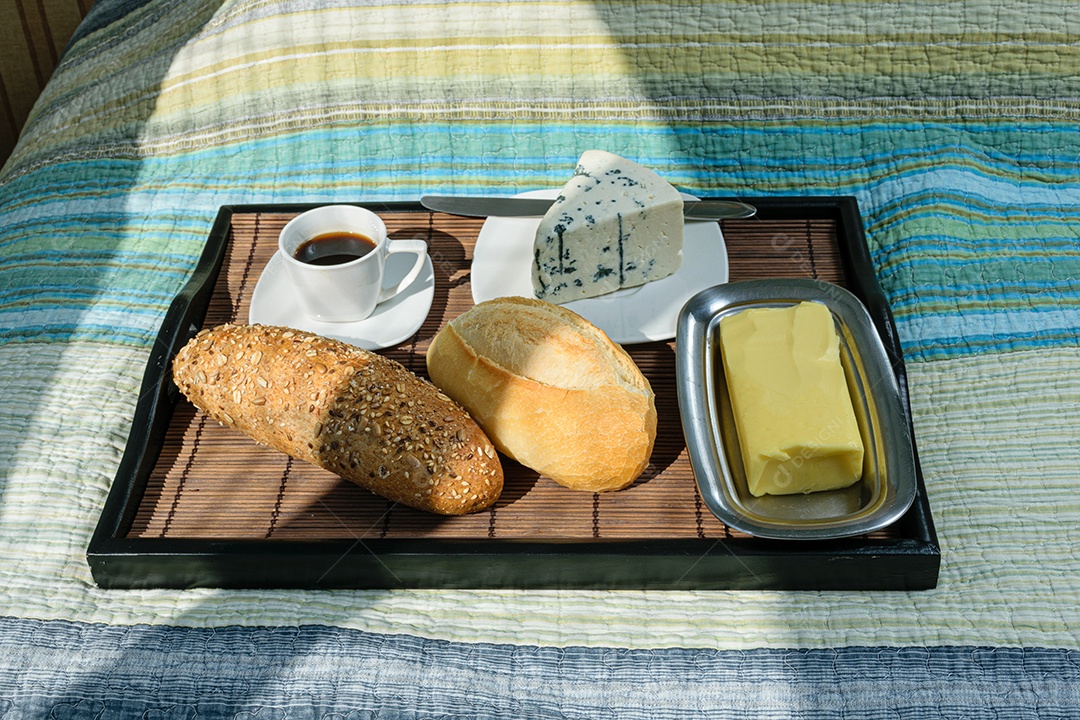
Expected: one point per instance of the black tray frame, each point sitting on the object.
(908, 562)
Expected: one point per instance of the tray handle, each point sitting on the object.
(158, 394)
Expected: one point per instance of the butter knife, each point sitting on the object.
(475, 206)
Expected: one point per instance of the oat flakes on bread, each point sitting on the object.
(550, 389)
(358, 414)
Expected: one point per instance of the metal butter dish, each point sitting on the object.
(888, 484)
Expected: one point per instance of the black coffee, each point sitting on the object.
(334, 248)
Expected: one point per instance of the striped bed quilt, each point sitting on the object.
(956, 125)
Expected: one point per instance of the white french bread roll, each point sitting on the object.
(550, 390)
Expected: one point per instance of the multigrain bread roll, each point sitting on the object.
(353, 412)
(550, 389)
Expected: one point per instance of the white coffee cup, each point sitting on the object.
(348, 291)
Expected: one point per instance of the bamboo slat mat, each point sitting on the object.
(211, 482)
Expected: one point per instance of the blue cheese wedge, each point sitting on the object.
(615, 224)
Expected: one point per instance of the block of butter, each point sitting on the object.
(792, 407)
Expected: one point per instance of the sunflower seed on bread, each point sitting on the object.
(353, 412)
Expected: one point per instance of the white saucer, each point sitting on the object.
(502, 266)
(396, 320)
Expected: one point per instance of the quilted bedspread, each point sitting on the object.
(956, 125)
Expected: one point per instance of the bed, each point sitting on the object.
(950, 126)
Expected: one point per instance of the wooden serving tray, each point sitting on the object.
(198, 504)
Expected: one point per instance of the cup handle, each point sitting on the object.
(419, 247)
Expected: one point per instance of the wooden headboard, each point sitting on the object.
(33, 34)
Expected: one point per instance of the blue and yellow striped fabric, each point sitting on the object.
(955, 124)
